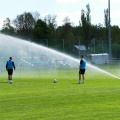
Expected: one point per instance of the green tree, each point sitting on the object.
(24, 24)
(116, 50)
(35, 15)
(86, 25)
(77, 32)
(106, 23)
(115, 34)
(52, 24)
(67, 35)
(67, 29)
(7, 27)
(41, 30)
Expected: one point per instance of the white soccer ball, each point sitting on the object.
(54, 80)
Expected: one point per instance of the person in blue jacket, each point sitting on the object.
(82, 69)
(9, 67)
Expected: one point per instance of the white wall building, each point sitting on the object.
(98, 58)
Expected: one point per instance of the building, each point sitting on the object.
(98, 58)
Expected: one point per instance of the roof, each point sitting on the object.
(98, 54)
(80, 47)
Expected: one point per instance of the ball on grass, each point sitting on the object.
(55, 81)
(11, 82)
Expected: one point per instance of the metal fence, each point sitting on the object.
(75, 47)
(87, 47)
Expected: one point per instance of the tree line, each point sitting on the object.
(29, 26)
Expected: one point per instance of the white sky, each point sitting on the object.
(61, 8)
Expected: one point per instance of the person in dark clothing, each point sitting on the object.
(9, 67)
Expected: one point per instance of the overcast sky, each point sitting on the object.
(61, 8)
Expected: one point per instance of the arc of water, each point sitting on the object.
(89, 65)
(18, 41)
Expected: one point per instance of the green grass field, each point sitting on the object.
(34, 96)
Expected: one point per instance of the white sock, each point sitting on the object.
(79, 81)
(83, 81)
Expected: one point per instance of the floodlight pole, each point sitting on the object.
(79, 48)
(109, 32)
(63, 45)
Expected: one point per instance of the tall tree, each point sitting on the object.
(24, 24)
(41, 30)
(35, 15)
(67, 29)
(106, 23)
(86, 24)
(67, 35)
(52, 24)
(7, 27)
(115, 33)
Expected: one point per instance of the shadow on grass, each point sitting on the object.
(78, 83)
(5, 81)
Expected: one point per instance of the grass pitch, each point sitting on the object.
(34, 96)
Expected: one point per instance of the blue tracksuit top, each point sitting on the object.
(10, 64)
(83, 65)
